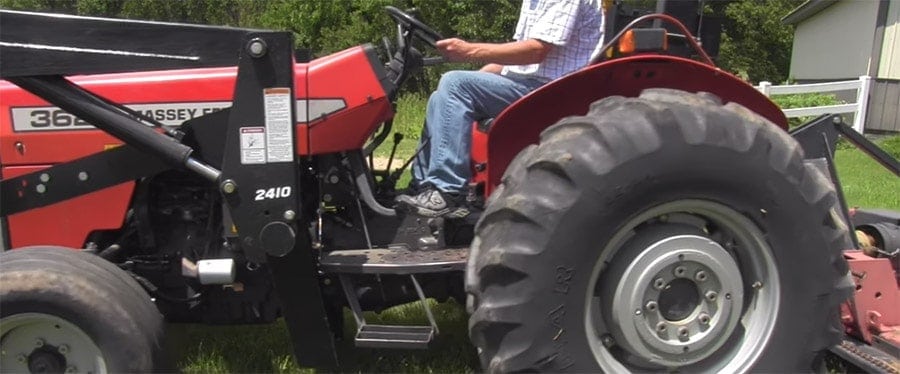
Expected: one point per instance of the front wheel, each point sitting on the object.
(659, 233)
(68, 311)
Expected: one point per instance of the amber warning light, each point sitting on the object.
(643, 40)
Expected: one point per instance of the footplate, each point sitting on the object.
(866, 357)
(394, 260)
(391, 336)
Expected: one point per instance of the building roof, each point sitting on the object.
(808, 9)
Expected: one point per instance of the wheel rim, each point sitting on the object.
(37, 342)
(690, 283)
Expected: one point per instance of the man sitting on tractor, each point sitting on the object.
(552, 38)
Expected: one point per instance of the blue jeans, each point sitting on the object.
(461, 98)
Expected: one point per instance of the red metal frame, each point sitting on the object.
(521, 123)
(68, 223)
(874, 309)
(479, 155)
(346, 75)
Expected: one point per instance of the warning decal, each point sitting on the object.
(279, 126)
(253, 145)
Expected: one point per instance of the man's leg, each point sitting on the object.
(419, 167)
(461, 98)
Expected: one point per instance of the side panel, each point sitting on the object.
(35, 135)
(521, 123)
(354, 78)
(33, 132)
(67, 223)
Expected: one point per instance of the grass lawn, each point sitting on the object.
(867, 184)
(266, 348)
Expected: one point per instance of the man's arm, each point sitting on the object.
(530, 51)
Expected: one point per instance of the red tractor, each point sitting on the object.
(648, 212)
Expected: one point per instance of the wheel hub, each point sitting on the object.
(678, 300)
(43, 343)
(642, 313)
(46, 360)
(666, 307)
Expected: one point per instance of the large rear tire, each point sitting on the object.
(64, 310)
(659, 233)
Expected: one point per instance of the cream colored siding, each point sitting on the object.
(836, 43)
(889, 67)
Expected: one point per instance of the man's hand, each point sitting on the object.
(455, 49)
(492, 68)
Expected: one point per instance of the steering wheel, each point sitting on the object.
(422, 31)
(405, 60)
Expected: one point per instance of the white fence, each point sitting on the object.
(861, 85)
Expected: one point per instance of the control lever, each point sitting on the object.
(387, 46)
(432, 61)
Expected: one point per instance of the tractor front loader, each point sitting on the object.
(648, 212)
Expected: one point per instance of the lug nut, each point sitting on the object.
(607, 340)
(703, 318)
(71, 369)
(711, 295)
(659, 283)
(21, 358)
(651, 306)
(39, 342)
(661, 327)
(683, 332)
(679, 271)
(700, 276)
(63, 349)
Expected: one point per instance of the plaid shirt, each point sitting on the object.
(574, 27)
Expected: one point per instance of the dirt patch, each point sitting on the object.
(381, 163)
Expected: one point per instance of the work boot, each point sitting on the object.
(413, 188)
(430, 202)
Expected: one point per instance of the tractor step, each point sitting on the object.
(394, 260)
(392, 336)
(389, 336)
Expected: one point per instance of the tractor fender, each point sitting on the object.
(522, 122)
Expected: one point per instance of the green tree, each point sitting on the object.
(755, 44)
(211, 12)
(56, 6)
